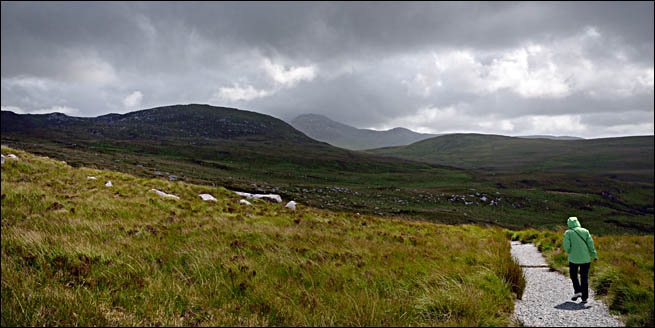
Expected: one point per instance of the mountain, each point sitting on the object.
(625, 157)
(345, 136)
(179, 122)
(214, 137)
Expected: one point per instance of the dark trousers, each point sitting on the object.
(584, 277)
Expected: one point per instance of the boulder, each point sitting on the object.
(163, 194)
(207, 197)
(268, 197)
(291, 205)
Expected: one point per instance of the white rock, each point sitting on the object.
(3, 159)
(12, 156)
(243, 201)
(269, 197)
(207, 197)
(291, 205)
(91, 178)
(108, 184)
(163, 194)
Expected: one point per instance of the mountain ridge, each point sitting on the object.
(338, 134)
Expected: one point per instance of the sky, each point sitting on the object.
(518, 68)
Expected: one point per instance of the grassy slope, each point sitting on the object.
(627, 157)
(281, 160)
(622, 277)
(75, 252)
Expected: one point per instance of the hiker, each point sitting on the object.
(578, 244)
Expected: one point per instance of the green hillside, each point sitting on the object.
(76, 252)
(285, 162)
(629, 158)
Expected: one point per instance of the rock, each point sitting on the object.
(12, 156)
(163, 194)
(483, 198)
(268, 197)
(108, 184)
(243, 201)
(207, 197)
(157, 173)
(172, 178)
(91, 178)
(291, 205)
(3, 159)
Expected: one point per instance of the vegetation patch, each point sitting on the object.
(75, 252)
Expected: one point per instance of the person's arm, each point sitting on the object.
(590, 246)
(567, 242)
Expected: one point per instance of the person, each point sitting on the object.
(578, 244)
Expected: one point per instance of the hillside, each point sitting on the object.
(162, 143)
(629, 158)
(345, 136)
(78, 253)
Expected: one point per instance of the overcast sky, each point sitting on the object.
(582, 69)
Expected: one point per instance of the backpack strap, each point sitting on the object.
(577, 233)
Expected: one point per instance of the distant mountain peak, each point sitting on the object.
(342, 135)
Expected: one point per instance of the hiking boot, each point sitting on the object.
(583, 302)
(575, 297)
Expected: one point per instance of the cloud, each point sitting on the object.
(368, 65)
(133, 99)
(237, 93)
(289, 77)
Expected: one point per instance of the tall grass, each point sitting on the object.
(75, 252)
(622, 277)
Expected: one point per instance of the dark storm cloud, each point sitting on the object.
(472, 66)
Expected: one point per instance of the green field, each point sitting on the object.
(75, 252)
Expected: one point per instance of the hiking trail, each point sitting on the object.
(547, 298)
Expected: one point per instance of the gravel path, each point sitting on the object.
(547, 298)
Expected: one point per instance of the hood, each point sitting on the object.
(573, 222)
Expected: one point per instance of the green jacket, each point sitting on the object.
(578, 243)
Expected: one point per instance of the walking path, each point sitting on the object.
(547, 298)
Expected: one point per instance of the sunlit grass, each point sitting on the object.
(75, 252)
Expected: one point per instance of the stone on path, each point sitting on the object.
(207, 197)
(163, 194)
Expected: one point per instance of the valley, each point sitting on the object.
(178, 142)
